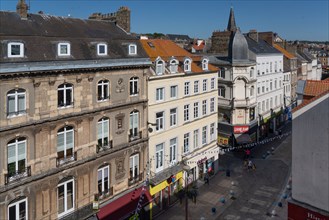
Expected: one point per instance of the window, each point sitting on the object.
(16, 102)
(134, 166)
(187, 65)
(204, 85)
(204, 135)
(252, 114)
(196, 86)
(16, 157)
(133, 123)
(258, 72)
(132, 49)
(65, 95)
(267, 105)
(221, 73)
(271, 86)
(173, 116)
(271, 67)
(221, 91)
(187, 88)
(173, 66)
(258, 90)
(65, 142)
(186, 112)
(173, 150)
(159, 157)
(64, 49)
(212, 131)
(275, 83)
(204, 107)
(196, 139)
(134, 86)
(276, 101)
(103, 132)
(103, 180)
(173, 91)
(101, 49)
(252, 89)
(159, 118)
(212, 104)
(259, 108)
(276, 66)
(196, 109)
(159, 94)
(18, 210)
(204, 64)
(15, 49)
(212, 83)
(103, 90)
(271, 102)
(251, 72)
(186, 142)
(159, 68)
(263, 89)
(263, 106)
(65, 197)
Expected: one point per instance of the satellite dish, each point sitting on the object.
(150, 130)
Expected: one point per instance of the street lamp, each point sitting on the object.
(186, 168)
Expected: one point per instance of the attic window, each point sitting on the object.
(173, 66)
(64, 49)
(150, 44)
(15, 49)
(101, 49)
(204, 64)
(187, 65)
(132, 49)
(159, 69)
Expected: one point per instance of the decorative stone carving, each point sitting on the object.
(51, 82)
(78, 80)
(120, 87)
(36, 84)
(90, 78)
(120, 168)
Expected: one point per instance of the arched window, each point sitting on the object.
(134, 86)
(65, 197)
(134, 168)
(103, 90)
(159, 67)
(65, 95)
(205, 64)
(134, 124)
(251, 72)
(252, 91)
(16, 102)
(16, 151)
(65, 144)
(187, 65)
(221, 91)
(18, 209)
(173, 66)
(103, 180)
(103, 127)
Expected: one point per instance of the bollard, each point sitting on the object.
(233, 183)
(213, 210)
(273, 213)
(222, 200)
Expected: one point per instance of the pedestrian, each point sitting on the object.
(253, 166)
(247, 154)
(250, 165)
(206, 178)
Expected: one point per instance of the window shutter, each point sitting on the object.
(69, 139)
(21, 151)
(60, 142)
(99, 130)
(11, 104)
(106, 128)
(21, 103)
(11, 153)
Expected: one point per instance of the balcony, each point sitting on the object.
(103, 195)
(241, 102)
(135, 179)
(65, 160)
(17, 175)
(104, 147)
(136, 136)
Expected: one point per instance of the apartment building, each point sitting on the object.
(182, 114)
(73, 119)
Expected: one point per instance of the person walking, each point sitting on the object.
(247, 154)
(206, 178)
(250, 164)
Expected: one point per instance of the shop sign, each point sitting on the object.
(201, 161)
(240, 129)
(222, 140)
(296, 212)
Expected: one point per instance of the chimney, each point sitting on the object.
(21, 9)
(267, 36)
(253, 34)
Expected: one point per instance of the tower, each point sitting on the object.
(21, 9)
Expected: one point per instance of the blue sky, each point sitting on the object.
(302, 20)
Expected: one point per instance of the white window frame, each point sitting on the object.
(102, 84)
(204, 64)
(187, 88)
(221, 90)
(66, 88)
(187, 65)
(173, 150)
(65, 132)
(159, 157)
(196, 109)
(68, 46)
(186, 145)
(103, 172)
(159, 94)
(173, 95)
(133, 83)
(204, 107)
(17, 93)
(133, 126)
(135, 163)
(212, 83)
(66, 211)
(99, 47)
(16, 146)
(186, 112)
(159, 67)
(204, 135)
(173, 66)
(160, 121)
(212, 131)
(196, 141)
(196, 86)
(173, 117)
(21, 49)
(132, 49)
(204, 85)
(16, 204)
(252, 91)
(212, 104)
(102, 122)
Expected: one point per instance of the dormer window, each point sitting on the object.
(187, 65)
(173, 66)
(204, 64)
(64, 49)
(101, 49)
(15, 49)
(159, 67)
(132, 49)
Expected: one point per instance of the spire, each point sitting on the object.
(231, 26)
(22, 8)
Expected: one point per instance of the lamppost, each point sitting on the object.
(186, 168)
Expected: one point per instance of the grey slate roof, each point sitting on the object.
(306, 55)
(238, 50)
(300, 86)
(260, 47)
(174, 37)
(41, 33)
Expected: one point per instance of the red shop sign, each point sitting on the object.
(240, 129)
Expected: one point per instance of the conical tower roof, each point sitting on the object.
(231, 26)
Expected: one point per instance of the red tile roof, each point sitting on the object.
(306, 102)
(315, 87)
(285, 53)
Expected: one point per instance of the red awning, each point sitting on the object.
(123, 206)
